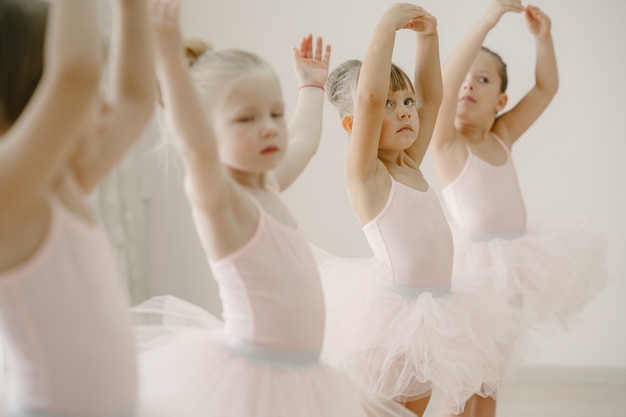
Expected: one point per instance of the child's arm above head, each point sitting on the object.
(428, 84)
(458, 65)
(34, 150)
(184, 111)
(133, 89)
(512, 124)
(371, 94)
(310, 65)
(224, 215)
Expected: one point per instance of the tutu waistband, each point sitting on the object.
(15, 410)
(482, 237)
(414, 292)
(271, 357)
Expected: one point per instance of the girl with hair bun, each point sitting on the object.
(226, 112)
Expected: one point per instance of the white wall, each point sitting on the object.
(570, 162)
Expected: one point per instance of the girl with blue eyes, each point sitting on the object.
(392, 320)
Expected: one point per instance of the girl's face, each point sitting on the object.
(249, 123)
(480, 97)
(401, 121)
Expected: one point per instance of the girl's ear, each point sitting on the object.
(346, 123)
(502, 100)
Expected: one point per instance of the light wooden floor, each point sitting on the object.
(560, 393)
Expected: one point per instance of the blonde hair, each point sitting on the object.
(342, 82)
(211, 71)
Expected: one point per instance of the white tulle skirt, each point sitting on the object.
(188, 369)
(403, 343)
(549, 276)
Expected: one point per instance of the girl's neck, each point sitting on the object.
(472, 132)
(389, 157)
(248, 179)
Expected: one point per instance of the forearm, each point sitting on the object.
(428, 79)
(184, 109)
(375, 72)
(461, 59)
(73, 52)
(305, 127)
(132, 63)
(546, 70)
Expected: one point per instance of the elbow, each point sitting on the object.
(141, 104)
(550, 89)
(370, 99)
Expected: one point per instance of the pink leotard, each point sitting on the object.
(411, 239)
(66, 326)
(486, 199)
(271, 291)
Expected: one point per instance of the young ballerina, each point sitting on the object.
(226, 114)
(392, 320)
(548, 276)
(64, 318)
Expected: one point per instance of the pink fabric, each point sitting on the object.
(270, 289)
(65, 324)
(264, 360)
(485, 198)
(548, 275)
(393, 321)
(406, 240)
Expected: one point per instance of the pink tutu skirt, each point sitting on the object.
(549, 276)
(189, 369)
(402, 343)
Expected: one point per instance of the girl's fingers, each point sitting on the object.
(318, 49)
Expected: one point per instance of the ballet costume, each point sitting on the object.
(393, 320)
(262, 359)
(549, 276)
(67, 332)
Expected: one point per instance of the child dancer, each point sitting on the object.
(549, 276)
(232, 137)
(402, 332)
(64, 316)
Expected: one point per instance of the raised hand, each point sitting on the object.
(405, 15)
(167, 31)
(311, 66)
(425, 24)
(497, 8)
(538, 22)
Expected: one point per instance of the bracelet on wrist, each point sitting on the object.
(321, 87)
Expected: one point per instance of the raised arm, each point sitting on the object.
(305, 127)
(371, 95)
(427, 80)
(133, 91)
(458, 65)
(512, 124)
(184, 111)
(35, 148)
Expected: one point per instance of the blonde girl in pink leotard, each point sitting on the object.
(226, 113)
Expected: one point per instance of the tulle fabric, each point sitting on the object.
(550, 276)
(403, 345)
(187, 370)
